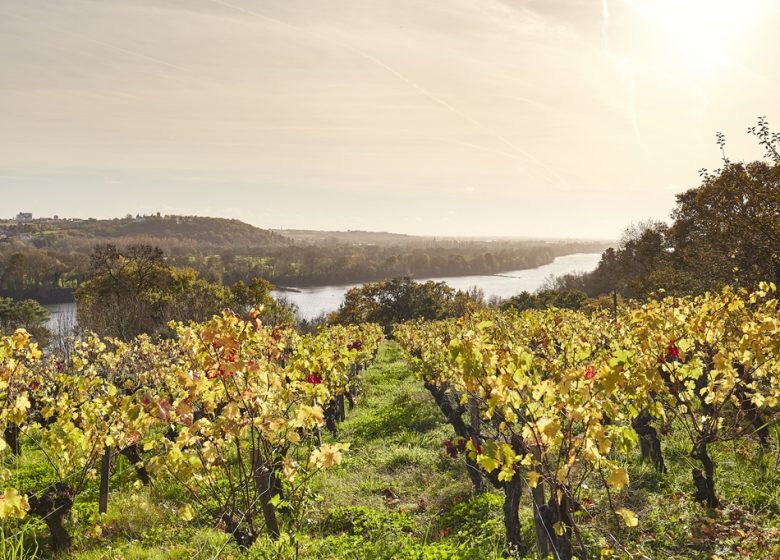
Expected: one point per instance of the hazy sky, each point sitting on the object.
(472, 117)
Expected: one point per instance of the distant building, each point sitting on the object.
(24, 217)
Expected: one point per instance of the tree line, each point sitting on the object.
(48, 260)
(725, 231)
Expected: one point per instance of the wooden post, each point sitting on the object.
(512, 493)
(476, 425)
(614, 305)
(538, 507)
(105, 474)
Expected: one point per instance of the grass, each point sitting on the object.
(396, 434)
(398, 496)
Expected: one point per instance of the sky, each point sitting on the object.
(555, 118)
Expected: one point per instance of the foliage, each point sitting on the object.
(725, 231)
(562, 299)
(400, 299)
(476, 521)
(135, 290)
(364, 521)
(396, 416)
(728, 229)
(563, 398)
(230, 410)
(15, 547)
(28, 315)
(48, 259)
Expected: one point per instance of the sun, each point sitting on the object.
(704, 30)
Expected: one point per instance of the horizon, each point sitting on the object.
(475, 118)
(57, 217)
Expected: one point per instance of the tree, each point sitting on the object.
(728, 229)
(30, 270)
(133, 291)
(643, 248)
(258, 293)
(124, 293)
(543, 299)
(522, 301)
(399, 300)
(27, 314)
(725, 231)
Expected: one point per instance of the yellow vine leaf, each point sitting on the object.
(629, 517)
(13, 504)
(328, 455)
(618, 479)
(559, 528)
(186, 513)
(487, 462)
(310, 416)
(549, 426)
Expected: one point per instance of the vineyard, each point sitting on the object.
(230, 411)
(556, 402)
(646, 431)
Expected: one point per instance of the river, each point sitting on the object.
(312, 302)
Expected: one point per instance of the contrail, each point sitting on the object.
(553, 176)
(627, 74)
(512, 156)
(256, 14)
(605, 22)
(441, 102)
(633, 111)
(549, 174)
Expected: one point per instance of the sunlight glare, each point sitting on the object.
(704, 30)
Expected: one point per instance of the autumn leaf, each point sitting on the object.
(310, 416)
(13, 504)
(186, 513)
(549, 426)
(629, 517)
(618, 479)
(328, 455)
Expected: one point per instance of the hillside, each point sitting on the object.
(356, 237)
(46, 259)
(171, 233)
